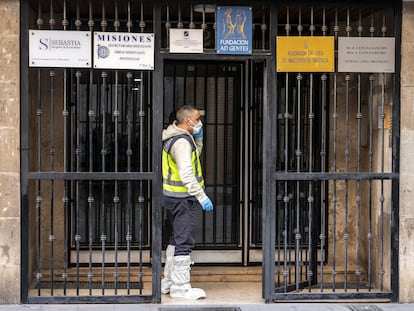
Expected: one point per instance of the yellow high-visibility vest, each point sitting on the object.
(171, 181)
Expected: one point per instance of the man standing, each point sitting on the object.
(183, 188)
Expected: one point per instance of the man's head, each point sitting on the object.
(187, 117)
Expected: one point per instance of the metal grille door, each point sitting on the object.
(330, 222)
(91, 171)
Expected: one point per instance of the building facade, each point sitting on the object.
(309, 169)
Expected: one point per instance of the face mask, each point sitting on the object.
(197, 126)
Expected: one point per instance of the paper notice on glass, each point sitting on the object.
(60, 48)
(366, 54)
(186, 40)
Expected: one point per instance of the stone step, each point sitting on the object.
(199, 273)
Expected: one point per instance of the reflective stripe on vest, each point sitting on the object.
(172, 184)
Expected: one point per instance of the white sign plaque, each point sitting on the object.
(366, 54)
(186, 40)
(123, 50)
(60, 48)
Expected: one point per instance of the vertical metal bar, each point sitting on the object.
(346, 230)
(52, 160)
(103, 169)
(225, 143)
(335, 137)
(77, 182)
(52, 182)
(167, 25)
(247, 75)
(203, 23)
(205, 83)
(216, 140)
(104, 102)
(148, 103)
(52, 21)
(322, 236)
(370, 155)
(358, 182)
(310, 185)
(65, 150)
(268, 157)
(382, 198)
(192, 24)
(157, 95)
(77, 112)
(180, 22)
(347, 103)
(371, 159)
(215, 17)
(286, 198)
(91, 199)
(300, 26)
(142, 21)
(278, 196)
(184, 90)
(195, 75)
(39, 198)
(77, 108)
(263, 27)
(128, 237)
(298, 154)
(141, 199)
(116, 190)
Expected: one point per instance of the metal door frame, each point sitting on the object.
(244, 115)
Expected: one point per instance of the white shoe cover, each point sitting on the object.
(187, 292)
(180, 278)
(169, 263)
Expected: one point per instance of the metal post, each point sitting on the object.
(157, 110)
(269, 152)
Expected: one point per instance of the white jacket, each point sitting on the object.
(181, 154)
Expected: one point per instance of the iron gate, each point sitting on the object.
(333, 209)
(93, 218)
(326, 144)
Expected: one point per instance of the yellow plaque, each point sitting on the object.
(305, 54)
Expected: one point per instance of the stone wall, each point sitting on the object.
(407, 156)
(9, 152)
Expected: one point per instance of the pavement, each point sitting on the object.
(219, 307)
(221, 296)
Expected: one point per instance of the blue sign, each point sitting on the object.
(234, 30)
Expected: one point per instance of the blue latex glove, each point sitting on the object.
(199, 134)
(206, 204)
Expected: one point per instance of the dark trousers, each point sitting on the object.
(183, 215)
